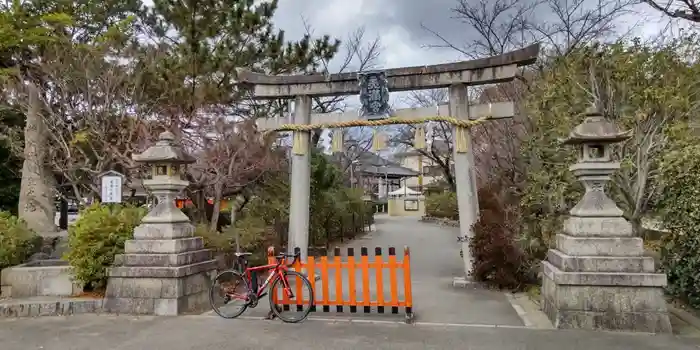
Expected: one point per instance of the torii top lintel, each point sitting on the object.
(489, 70)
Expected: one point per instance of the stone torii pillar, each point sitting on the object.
(465, 179)
(300, 196)
(458, 76)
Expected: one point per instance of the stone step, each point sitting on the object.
(163, 246)
(598, 227)
(161, 271)
(570, 263)
(170, 259)
(164, 231)
(5, 291)
(610, 279)
(600, 246)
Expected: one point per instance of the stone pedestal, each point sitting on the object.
(164, 271)
(597, 277)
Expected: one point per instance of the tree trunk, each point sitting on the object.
(36, 199)
(199, 207)
(450, 179)
(217, 208)
(637, 227)
(315, 138)
(63, 218)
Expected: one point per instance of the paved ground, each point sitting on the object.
(434, 262)
(448, 318)
(89, 332)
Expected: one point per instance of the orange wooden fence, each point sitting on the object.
(332, 268)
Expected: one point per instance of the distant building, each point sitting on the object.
(379, 176)
(432, 172)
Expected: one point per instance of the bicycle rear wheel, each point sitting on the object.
(228, 294)
(297, 308)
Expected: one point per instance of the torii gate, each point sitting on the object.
(455, 76)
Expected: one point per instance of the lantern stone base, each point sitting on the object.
(161, 275)
(620, 301)
(151, 294)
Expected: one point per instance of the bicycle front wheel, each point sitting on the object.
(228, 294)
(294, 308)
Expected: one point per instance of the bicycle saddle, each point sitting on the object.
(240, 254)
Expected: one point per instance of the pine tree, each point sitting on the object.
(198, 45)
(202, 42)
(30, 32)
(10, 164)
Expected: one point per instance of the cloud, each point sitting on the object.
(401, 25)
(398, 24)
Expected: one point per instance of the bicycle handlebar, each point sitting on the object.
(286, 255)
(282, 257)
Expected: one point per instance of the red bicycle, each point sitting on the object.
(233, 286)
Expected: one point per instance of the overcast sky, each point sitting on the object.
(399, 25)
(396, 22)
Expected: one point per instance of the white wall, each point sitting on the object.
(412, 162)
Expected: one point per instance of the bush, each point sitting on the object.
(339, 214)
(336, 213)
(96, 237)
(680, 250)
(254, 236)
(442, 205)
(368, 215)
(17, 241)
(498, 259)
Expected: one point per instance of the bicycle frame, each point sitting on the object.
(232, 282)
(278, 271)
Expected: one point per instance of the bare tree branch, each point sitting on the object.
(499, 26)
(359, 55)
(92, 121)
(504, 25)
(683, 9)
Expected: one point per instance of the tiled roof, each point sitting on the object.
(388, 170)
(439, 146)
(371, 163)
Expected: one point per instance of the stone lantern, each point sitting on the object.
(167, 161)
(594, 139)
(164, 270)
(597, 276)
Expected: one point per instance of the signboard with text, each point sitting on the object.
(112, 188)
(374, 95)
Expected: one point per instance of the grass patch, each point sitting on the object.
(534, 292)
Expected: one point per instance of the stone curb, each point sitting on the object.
(685, 316)
(528, 310)
(440, 221)
(12, 309)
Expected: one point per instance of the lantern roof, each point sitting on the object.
(166, 150)
(596, 129)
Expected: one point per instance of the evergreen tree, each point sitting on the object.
(28, 28)
(198, 44)
(202, 42)
(31, 32)
(10, 164)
